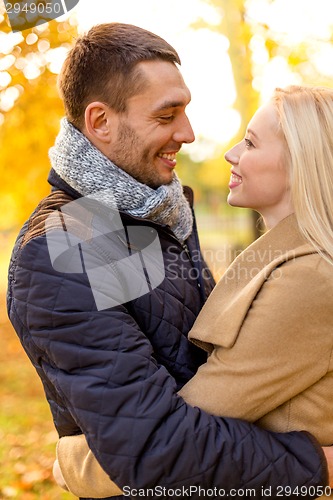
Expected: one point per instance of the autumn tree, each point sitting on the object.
(248, 34)
(30, 109)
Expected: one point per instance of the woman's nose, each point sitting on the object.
(232, 155)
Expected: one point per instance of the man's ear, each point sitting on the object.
(98, 118)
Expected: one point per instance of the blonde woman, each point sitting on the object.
(268, 325)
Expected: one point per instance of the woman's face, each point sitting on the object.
(259, 177)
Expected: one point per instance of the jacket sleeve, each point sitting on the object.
(140, 430)
(283, 347)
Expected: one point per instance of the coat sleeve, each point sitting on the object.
(283, 347)
(80, 470)
(140, 430)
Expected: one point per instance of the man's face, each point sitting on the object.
(147, 137)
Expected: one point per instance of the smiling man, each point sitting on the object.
(111, 372)
(145, 138)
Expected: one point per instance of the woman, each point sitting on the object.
(268, 323)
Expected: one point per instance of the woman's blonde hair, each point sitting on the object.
(306, 119)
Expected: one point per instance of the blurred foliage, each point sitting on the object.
(214, 173)
(246, 36)
(30, 109)
(27, 434)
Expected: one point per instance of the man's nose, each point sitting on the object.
(184, 132)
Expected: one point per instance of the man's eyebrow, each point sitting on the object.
(169, 104)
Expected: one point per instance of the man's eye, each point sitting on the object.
(248, 143)
(166, 119)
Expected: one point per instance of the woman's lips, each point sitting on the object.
(235, 180)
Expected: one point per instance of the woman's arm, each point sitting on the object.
(261, 444)
(77, 470)
(73, 452)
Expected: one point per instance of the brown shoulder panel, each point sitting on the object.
(36, 225)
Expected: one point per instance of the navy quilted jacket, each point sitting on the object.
(106, 373)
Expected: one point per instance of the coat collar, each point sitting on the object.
(222, 316)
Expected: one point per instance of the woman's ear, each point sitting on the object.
(98, 118)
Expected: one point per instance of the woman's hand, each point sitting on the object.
(57, 474)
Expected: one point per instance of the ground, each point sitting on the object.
(27, 435)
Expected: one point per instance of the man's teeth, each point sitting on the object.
(168, 156)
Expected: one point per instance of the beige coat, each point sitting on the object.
(268, 326)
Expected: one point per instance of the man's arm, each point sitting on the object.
(80, 471)
(142, 433)
(232, 379)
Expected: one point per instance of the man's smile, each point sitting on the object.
(168, 158)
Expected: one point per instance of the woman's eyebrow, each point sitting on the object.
(250, 131)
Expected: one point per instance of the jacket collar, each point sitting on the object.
(58, 183)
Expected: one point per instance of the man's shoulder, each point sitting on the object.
(36, 224)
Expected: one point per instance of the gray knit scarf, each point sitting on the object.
(88, 171)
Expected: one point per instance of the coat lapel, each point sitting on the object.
(221, 318)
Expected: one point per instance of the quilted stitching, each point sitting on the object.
(103, 377)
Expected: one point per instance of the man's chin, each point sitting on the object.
(168, 179)
(161, 181)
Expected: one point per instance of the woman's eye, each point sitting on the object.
(248, 143)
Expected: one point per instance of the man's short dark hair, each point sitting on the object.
(102, 66)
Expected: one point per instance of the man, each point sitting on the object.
(110, 361)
